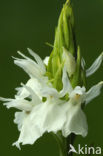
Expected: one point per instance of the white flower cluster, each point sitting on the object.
(37, 116)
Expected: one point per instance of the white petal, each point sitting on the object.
(17, 103)
(67, 88)
(35, 85)
(35, 99)
(75, 121)
(19, 118)
(70, 62)
(29, 129)
(93, 92)
(30, 66)
(94, 67)
(32, 83)
(31, 69)
(37, 58)
(46, 60)
(49, 91)
(53, 115)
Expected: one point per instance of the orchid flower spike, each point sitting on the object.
(37, 116)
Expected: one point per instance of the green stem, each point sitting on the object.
(62, 144)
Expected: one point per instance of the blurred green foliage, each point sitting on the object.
(31, 23)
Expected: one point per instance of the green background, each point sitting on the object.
(31, 23)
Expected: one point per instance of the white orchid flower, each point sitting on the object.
(75, 119)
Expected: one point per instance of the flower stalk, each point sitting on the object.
(62, 144)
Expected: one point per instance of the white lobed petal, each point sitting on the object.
(94, 92)
(29, 126)
(45, 117)
(53, 115)
(95, 66)
(75, 121)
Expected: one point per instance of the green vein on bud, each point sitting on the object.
(76, 77)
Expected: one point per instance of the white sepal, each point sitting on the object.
(34, 69)
(93, 92)
(20, 104)
(94, 67)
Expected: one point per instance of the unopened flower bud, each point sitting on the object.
(69, 62)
